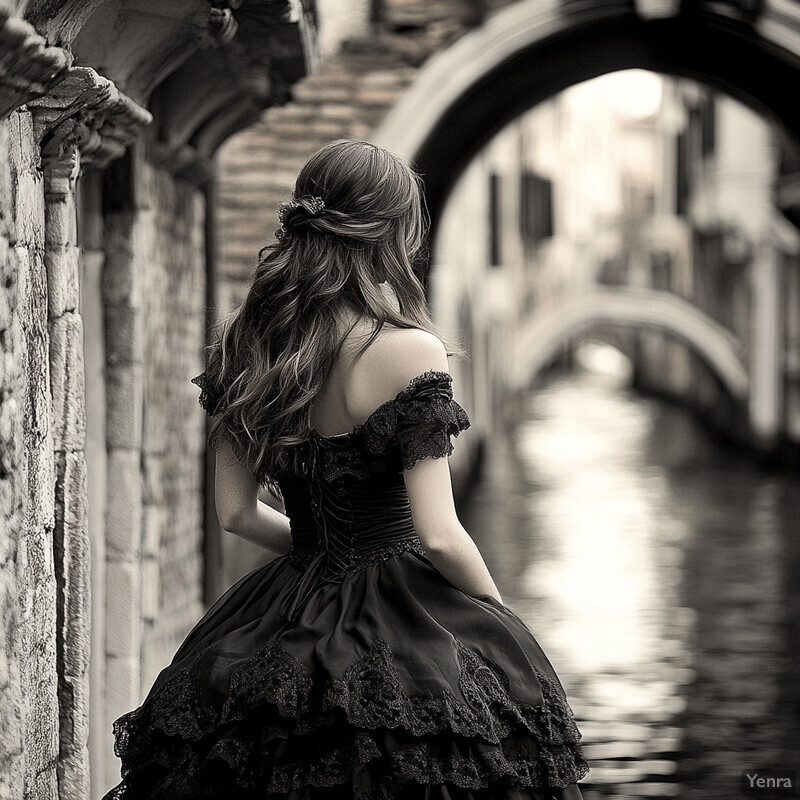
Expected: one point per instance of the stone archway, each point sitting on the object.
(533, 49)
(536, 48)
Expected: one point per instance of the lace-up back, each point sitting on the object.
(352, 497)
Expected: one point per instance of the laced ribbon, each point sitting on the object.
(319, 570)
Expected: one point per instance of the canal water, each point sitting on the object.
(660, 572)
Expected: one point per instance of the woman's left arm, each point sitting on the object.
(240, 511)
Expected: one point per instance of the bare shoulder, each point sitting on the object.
(405, 353)
(395, 357)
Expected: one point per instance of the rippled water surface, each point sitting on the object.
(661, 574)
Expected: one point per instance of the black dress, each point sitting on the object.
(350, 667)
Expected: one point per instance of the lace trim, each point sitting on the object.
(209, 396)
(417, 424)
(356, 763)
(425, 430)
(358, 559)
(432, 377)
(416, 764)
(423, 765)
(274, 718)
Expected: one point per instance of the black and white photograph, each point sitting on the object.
(399, 399)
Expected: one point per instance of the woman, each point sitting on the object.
(373, 658)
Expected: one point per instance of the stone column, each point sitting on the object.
(84, 120)
(122, 291)
(12, 493)
(90, 233)
(28, 691)
(28, 699)
(60, 166)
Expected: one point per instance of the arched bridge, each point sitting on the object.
(547, 331)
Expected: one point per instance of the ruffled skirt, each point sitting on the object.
(392, 683)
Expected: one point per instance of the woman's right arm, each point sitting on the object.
(447, 544)
(238, 508)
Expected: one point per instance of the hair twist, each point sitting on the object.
(298, 210)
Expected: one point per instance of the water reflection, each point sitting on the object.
(659, 571)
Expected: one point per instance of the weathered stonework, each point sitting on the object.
(153, 298)
(143, 230)
(28, 67)
(172, 435)
(61, 166)
(13, 489)
(88, 111)
(122, 290)
(29, 744)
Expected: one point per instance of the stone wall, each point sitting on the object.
(44, 508)
(12, 481)
(154, 304)
(96, 599)
(173, 429)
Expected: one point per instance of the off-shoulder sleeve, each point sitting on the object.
(210, 393)
(427, 417)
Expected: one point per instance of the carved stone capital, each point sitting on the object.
(87, 110)
(61, 169)
(28, 67)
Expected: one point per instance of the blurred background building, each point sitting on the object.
(577, 195)
(644, 207)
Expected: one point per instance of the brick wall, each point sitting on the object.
(346, 98)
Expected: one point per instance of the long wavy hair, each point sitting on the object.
(356, 219)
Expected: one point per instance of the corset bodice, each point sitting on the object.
(351, 517)
(343, 524)
(348, 505)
